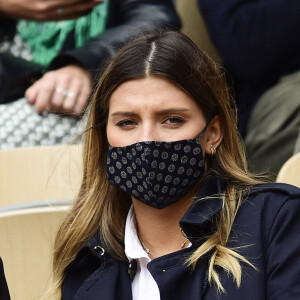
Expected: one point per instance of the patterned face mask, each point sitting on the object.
(156, 173)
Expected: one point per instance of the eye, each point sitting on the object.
(126, 123)
(173, 120)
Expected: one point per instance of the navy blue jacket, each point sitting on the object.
(258, 41)
(267, 224)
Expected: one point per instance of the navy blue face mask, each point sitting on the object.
(156, 173)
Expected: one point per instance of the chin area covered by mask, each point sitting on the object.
(157, 173)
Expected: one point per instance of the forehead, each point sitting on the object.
(150, 93)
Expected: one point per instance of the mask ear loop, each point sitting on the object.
(203, 131)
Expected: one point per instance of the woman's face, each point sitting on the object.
(152, 109)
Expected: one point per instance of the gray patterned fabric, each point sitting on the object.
(21, 126)
(16, 47)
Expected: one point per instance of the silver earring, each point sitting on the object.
(213, 150)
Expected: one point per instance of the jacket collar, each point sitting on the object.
(198, 222)
(94, 246)
(201, 218)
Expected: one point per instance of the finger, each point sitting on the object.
(73, 11)
(31, 93)
(72, 96)
(82, 99)
(44, 95)
(60, 93)
(59, 3)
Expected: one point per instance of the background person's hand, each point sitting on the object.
(65, 91)
(46, 10)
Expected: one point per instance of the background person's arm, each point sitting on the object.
(45, 10)
(127, 19)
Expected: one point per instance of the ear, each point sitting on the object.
(214, 135)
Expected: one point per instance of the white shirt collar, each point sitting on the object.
(133, 246)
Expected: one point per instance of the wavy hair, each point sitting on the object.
(102, 207)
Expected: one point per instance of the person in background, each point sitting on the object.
(177, 216)
(70, 52)
(258, 42)
(4, 293)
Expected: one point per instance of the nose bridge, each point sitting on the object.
(148, 132)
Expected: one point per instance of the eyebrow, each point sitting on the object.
(162, 112)
(123, 113)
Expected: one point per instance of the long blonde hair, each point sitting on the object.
(102, 207)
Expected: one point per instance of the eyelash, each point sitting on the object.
(178, 119)
(122, 123)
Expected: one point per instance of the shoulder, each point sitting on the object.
(272, 213)
(272, 195)
(92, 273)
(86, 262)
(276, 188)
(266, 206)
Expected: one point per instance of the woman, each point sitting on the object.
(177, 216)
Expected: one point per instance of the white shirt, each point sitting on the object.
(144, 287)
